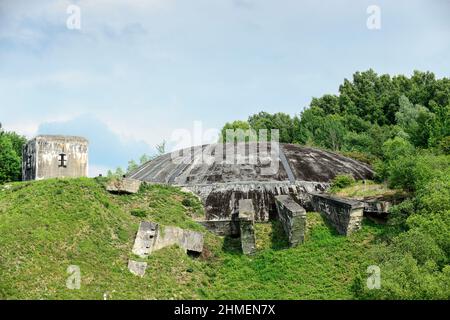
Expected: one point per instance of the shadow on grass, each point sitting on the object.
(329, 225)
(279, 239)
(381, 232)
(232, 245)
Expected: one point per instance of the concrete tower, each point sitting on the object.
(52, 156)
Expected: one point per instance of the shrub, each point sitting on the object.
(187, 202)
(421, 246)
(444, 145)
(399, 213)
(140, 213)
(10, 161)
(400, 173)
(396, 148)
(403, 278)
(342, 181)
(414, 172)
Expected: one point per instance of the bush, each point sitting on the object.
(140, 213)
(396, 148)
(414, 264)
(444, 145)
(403, 278)
(187, 202)
(421, 246)
(414, 172)
(399, 213)
(400, 173)
(342, 181)
(10, 161)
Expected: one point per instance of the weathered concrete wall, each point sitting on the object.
(344, 214)
(222, 200)
(293, 218)
(211, 164)
(45, 154)
(186, 239)
(223, 228)
(151, 237)
(377, 206)
(247, 226)
(145, 238)
(125, 185)
(29, 157)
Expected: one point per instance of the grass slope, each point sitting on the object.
(46, 226)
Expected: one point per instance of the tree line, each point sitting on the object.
(369, 110)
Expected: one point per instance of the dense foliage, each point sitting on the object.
(10, 156)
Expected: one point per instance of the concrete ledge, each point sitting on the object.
(145, 238)
(344, 214)
(222, 227)
(151, 237)
(246, 224)
(293, 218)
(125, 185)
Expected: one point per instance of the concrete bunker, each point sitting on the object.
(54, 156)
(256, 172)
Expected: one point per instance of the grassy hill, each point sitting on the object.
(46, 226)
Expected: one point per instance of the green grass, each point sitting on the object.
(45, 226)
(366, 189)
(323, 267)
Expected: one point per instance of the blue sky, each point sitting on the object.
(139, 70)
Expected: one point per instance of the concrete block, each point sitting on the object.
(293, 219)
(137, 268)
(247, 228)
(192, 241)
(344, 214)
(151, 237)
(124, 185)
(145, 239)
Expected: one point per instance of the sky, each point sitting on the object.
(138, 72)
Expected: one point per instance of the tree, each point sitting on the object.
(235, 125)
(331, 133)
(10, 156)
(10, 162)
(132, 166)
(413, 119)
(328, 103)
(280, 121)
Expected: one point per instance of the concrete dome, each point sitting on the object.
(189, 167)
(221, 181)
